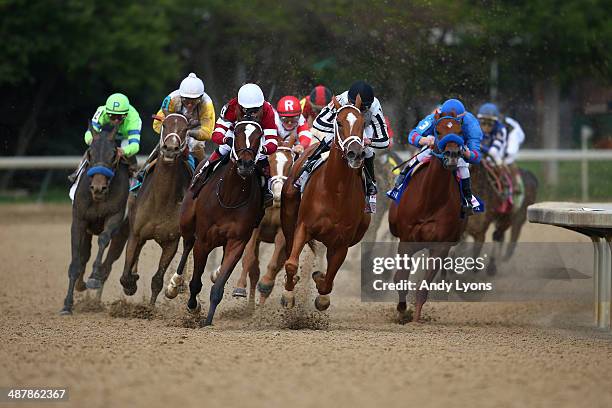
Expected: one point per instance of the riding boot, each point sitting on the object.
(466, 188)
(72, 177)
(370, 176)
(310, 161)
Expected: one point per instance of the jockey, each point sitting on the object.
(375, 130)
(250, 105)
(423, 136)
(319, 97)
(494, 132)
(291, 122)
(118, 112)
(191, 101)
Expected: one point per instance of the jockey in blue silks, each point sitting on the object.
(424, 136)
(495, 134)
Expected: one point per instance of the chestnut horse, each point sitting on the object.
(429, 211)
(224, 213)
(332, 208)
(99, 208)
(155, 212)
(269, 231)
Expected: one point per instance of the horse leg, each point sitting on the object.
(177, 279)
(292, 264)
(80, 285)
(80, 240)
(231, 255)
(128, 279)
(114, 252)
(249, 261)
(515, 232)
(157, 282)
(111, 226)
(325, 283)
(254, 273)
(421, 294)
(200, 256)
(401, 274)
(266, 283)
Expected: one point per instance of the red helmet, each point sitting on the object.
(288, 106)
(320, 96)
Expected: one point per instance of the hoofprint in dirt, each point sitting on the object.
(493, 354)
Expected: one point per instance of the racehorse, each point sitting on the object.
(269, 231)
(429, 210)
(98, 209)
(225, 212)
(155, 212)
(489, 190)
(332, 208)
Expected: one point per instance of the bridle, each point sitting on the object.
(163, 138)
(344, 144)
(250, 127)
(104, 168)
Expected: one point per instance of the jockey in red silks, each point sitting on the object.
(249, 105)
(291, 122)
(319, 97)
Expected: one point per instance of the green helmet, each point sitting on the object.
(117, 104)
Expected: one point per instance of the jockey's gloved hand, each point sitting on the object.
(193, 123)
(228, 140)
(427, 141)
(263, 150)
(466, 152)
(193, 133)
(298, 149)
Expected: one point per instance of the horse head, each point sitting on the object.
(448, 142)
(103, 160)
(348, 132)
(280, 164)
(247, 140)
(173, 137)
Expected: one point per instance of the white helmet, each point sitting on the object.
(250, 96)
(191, 87)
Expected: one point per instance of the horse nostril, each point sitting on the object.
(103, 189)
(351, 155)
(176, 148)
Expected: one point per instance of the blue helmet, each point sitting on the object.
(488, 111)
(453, 105)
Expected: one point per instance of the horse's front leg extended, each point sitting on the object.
(421, 294)
(250, 261)
(80, 245)
(157, 282)
(325, 283)
(128, 279)
(231, 255)
(291, 266)
(111, 226)
(177, 280)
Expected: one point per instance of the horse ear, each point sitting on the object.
(358, 101)
(336, 103)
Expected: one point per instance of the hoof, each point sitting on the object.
(129, 284)
(322, 302)
(65, 312)
(401, 307)
(80, 286)
(93, 283)
(196, 310)
(173, 288)
(215, 274)
(288, 299)
(239, 293)
(205, 323)
(264, 289)
(317, 275)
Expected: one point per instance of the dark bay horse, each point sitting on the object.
(98, 209)
(429, 211)
(269, 231)
(332, 208)
(155, 212)
(224, 213)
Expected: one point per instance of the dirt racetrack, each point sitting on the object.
(355, 354)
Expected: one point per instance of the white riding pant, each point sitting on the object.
(515, 138)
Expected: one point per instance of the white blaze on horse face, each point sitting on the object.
(248, 130)
(351, 119)
(281, 159)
